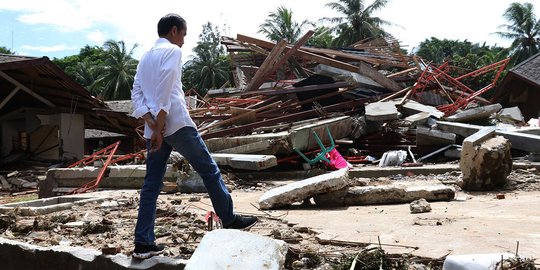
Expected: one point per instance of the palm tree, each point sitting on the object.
(357, 22)
(524, 28)
(280, 25)
(118, 70)
(204, 73)
(89, 77)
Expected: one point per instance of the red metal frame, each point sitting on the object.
(107, 151)
(434, 75)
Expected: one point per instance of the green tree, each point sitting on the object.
(322, 38)
(89, 57)
(357, 21)
(118, 71)
(210, 68)
(280, 25)
(523, 28)
(5, 50)
(89, 76)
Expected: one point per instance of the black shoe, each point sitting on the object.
(242, 222)
(146, 251)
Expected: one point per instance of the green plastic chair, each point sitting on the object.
(322, 155)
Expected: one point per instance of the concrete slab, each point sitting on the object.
(302, 136)
(418, 119)
(412, 107)
(249, 148)
(475, 113)
(520, 141)
(301, 190)
(246, 162)
(369, 172)
(478, 137)
(75, 173)
(137, 171)
(433, 137)
(243, 251)
(280, 140)
(381, 111)
(18, 255)
(387, 194)
(49, 205)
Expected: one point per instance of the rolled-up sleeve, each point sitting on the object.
(169, 73)
(137, 98)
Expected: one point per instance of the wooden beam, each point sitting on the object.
(267, 65)
(303, 54)
(8, 98)
(26, 89)
(375, 75)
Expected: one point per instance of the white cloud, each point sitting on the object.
(135, 21)
(96, 36)
(54, 48)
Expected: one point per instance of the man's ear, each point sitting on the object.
(174, 30)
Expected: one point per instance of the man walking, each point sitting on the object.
(158, 98)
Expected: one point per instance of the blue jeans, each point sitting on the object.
(190, 145)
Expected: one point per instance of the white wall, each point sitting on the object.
(72, 135)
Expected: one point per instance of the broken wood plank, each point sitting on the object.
(267, 65)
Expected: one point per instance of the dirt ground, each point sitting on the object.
(318, 238)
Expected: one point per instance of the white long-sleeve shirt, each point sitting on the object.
(158, 86)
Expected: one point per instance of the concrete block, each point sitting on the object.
(388, 194)
(234, 249)
(137, 171)
(418, 119)
(486, 166)
(301, 190)
(513, 114)
(246, 162)
(412, 107)
(522, 141)
(381, 111)
(475, 113)
(18, 255)
(433, 137)
(479, 137)
(74, 173)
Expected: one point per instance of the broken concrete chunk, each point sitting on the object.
(433, 137)
(475, 113)
(418, 119)
(243, 251)
(475, 261)
(420, 206)
(512, 114)
(381, 111)
(301, 190)
(412, 107)
(398, 193)
(486, 166)
(393, 158)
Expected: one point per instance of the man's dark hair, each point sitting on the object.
(167, 22)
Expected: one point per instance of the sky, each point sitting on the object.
(58, 28)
